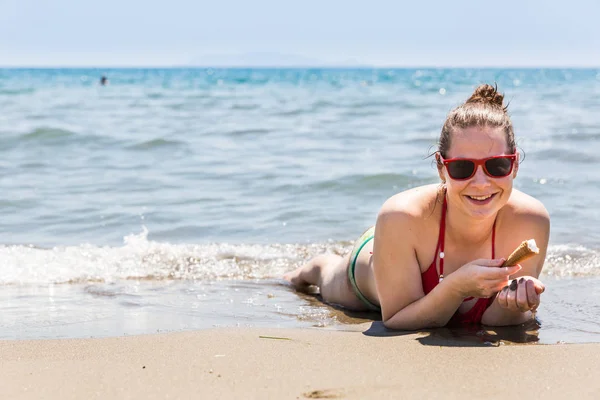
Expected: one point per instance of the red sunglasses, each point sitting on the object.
(464, 168)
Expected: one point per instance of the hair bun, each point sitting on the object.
(487, 94)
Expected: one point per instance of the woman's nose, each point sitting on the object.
(480, 176)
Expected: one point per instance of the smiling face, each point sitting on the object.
(480, 196)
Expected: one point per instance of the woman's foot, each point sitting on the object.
(293, 277)
(311, 273)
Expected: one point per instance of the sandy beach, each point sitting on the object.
(248, 363)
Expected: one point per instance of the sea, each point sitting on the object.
(175, 199)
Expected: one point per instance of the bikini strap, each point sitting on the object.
(494, 238)
(440, 246)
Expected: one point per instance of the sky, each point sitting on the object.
(167, 33)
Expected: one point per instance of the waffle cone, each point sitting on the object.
(526, 250)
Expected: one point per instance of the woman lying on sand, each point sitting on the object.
(434, 254)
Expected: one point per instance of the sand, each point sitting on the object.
(253, 363)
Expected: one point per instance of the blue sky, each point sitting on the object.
(379, 33)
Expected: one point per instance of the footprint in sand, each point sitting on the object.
(324, 394)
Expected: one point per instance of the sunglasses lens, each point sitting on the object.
(461, 169)
(499, 166)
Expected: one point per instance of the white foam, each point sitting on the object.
(140, 258)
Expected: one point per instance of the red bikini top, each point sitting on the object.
(431, 279)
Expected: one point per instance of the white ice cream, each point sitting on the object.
(532, 245)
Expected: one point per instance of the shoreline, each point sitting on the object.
(293, 364)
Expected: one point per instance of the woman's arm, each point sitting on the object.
(398, 277)
(536, 224)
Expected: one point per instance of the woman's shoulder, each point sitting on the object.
(418, 202)
(412, 218)
(526, 213)
(521, 204)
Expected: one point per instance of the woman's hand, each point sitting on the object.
(523, 294)
(483, 277)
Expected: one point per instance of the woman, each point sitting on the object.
(434, 255)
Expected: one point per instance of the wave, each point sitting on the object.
(53, 136)
(352, 183)
(578, 136)
(567, 155)
(156, 144)
(571, 261)
(239, 106)
(141, 259)
(17, 91)
(156, 95)
(48, 133)
(251, 132)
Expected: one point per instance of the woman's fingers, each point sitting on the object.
(522, 299)
(520, 295)
(539, 286)
(532, 296)
(485, 262)
(502, 297)
(511, 297)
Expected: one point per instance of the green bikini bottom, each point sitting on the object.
(361, 242)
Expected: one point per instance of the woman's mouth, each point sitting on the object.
(481, 199)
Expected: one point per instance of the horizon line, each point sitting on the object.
(307, 66)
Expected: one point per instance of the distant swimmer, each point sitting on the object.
(104, 80)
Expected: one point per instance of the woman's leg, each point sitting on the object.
(329, 272)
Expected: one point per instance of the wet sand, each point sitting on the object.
(365, 362)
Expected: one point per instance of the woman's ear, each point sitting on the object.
(516, 167)
(440, 167)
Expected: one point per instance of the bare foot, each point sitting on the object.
(309, 277)
(293, 277)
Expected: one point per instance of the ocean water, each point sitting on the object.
(175, 199)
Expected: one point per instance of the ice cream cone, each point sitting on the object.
(525, 250)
